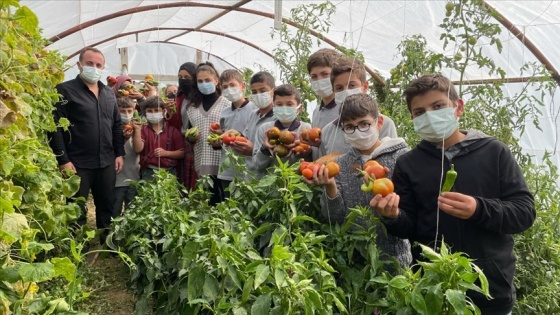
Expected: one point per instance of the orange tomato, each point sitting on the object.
(333, 169)
(240, 139)
(383, 187)
(304, 134)
(307, 173)
(376, 170)
(302, 166)
(314, 134)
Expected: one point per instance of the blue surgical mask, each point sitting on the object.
(285, 114)
(436, 125)
(206, 88)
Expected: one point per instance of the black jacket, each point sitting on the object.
(95, 135)
(486, 171)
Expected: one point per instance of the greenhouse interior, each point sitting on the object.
(272, 243)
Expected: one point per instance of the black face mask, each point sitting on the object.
(171, 95)
(185, 84)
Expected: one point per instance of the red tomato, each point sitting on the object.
(383, 187)
(228, 138)
(307, 173)
(376, 171)
(215, 126)
(240, 139)
(302, 166)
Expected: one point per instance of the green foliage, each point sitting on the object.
(295, 47)
(260, 252)
(34, 215)
(489, 109)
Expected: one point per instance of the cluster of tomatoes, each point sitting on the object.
(375, 179)
(307, 169)
(227, 138)
(125, 90)
(280, 140)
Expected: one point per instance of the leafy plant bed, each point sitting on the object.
(264, 251)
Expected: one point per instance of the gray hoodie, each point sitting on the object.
(349, 195)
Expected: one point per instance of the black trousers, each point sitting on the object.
(101, 182)
(217, 191)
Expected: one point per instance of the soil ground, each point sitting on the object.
(105, 278)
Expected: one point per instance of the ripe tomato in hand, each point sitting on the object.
(228, 138)
(240, 139)
(383, 187)
(333, 169)
(374, 169)
(314, 134)
(215, 126)
(307, 173)
(302, 166)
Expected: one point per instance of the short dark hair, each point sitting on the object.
(430, 82)
(153, 102)
(81, 56)
(231, 74)
(324, 57)
(358, 105)
(125, 102)
(346, 64)
(263, 77)
(287, 90)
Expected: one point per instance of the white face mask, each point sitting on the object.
(90, 74)
(322, 87)
(339, 97)
(436, 125)
(154, 118)
(285, 114)
(363, 140)
(261, 100)
(232, 94)
(126, 117)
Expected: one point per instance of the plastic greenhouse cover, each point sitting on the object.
(162, 38)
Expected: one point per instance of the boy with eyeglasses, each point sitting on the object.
(488, 202)
(348, 77)
(361, 125)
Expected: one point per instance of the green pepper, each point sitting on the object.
(450, 177)
(368, 187)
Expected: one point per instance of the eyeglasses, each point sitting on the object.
(350, 129)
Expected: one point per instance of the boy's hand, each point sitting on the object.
(457, 204)
(243, 148)
(220, 131)
(160, 152)
(387, 206)
(135, 95)
(315, 143)
(170, 108)
(320, 176)
(137, 126)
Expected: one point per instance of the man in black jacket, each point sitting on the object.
(488, 202)
(92, 146)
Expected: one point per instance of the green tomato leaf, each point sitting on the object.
(210, 287)
(281, 253)
(483, 280)
(36, 272)
(418, 302)
(64, 267)
(457, 299)
(247, 288)
(239, 311)
(261, 274)
(398, 282)
(195, 282)
(434, 299)
(261, 305)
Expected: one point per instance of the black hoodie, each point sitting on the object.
(486, 171)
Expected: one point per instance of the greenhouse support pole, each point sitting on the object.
(515, 31)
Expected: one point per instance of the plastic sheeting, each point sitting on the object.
(238, 34)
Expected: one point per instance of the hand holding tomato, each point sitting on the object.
(215, 128)
(387, 206)
(243, 148)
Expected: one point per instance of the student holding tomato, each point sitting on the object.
(361, 124)
(488, 203)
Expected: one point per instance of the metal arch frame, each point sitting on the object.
(236, 7)
(176, 29)
(515, 31)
